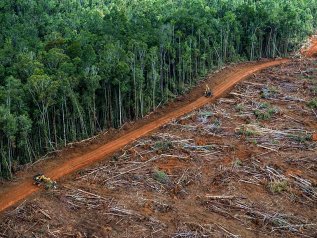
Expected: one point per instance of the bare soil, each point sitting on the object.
(245, 166)
(73, 160)
(311, 50)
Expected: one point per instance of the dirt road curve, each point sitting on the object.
(17, 193)
(311, 52)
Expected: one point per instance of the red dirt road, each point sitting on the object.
(17, 193)
(311, 52)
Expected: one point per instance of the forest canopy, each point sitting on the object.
(70, 69)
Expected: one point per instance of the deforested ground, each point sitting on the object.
(245, 166)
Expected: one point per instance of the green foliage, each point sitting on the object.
(161, 176)
(301, 138)
(313, 103)
(239, 107)
(265, 93)
(70, 69)
(265, 111)
(314, 90)
(237, 163)
(253, 141)
(163, 145)
(278, 186)
(246, 132)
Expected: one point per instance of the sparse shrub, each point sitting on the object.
(160, 176)
(265, 114)
(275, 142)
(272, 111)
(217, 123)
(265, 93)
(301, 138)
(269, 92)
(274, 89)
(115, 157)
(237, 163)
(261, 115)
(246, 131)
(252, 140)
(312, 103)
(314, 90)
(206, 113)
(239, 107)
(278, 186)
(264, 105)
(163, 145)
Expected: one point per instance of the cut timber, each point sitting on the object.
(17, 193)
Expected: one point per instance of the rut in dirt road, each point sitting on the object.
(16, 193)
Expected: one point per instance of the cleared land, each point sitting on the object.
(242, 167)
(226, 79)
(311, 50)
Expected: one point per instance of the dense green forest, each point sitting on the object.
(72, 68)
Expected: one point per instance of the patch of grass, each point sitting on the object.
(160, 176)
(274, 89)
(301, 138)
(265, 114)
(312, 103)
(269, 92)
(239, 107)
(217, 123)
(163, 145)
(314, 90)
(237, 163)
(261, 115)
(252, 140)
(278, 186)
(246, 131)
(264, 105)
(206, 114)
(275, 142)
(265, 93)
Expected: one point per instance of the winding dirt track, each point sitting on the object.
(311, 52)
(17, 193)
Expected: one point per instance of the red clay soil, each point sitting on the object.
(311, 52)
(15, 193)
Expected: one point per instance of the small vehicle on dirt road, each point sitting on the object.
(208, 92)
(41, 179)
